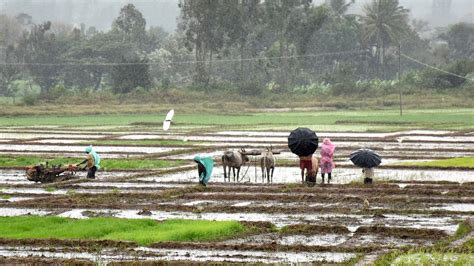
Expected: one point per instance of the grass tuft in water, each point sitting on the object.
(50, 189)
(5, 197)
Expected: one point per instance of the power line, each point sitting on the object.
(435, 68)
(191, 61)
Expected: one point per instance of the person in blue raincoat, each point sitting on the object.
(205, 165)
(93, 162)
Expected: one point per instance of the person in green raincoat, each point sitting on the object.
(205, 165)
(93, 162)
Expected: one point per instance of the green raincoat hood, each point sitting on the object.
(208, 164)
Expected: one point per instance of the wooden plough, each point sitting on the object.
(44, 173)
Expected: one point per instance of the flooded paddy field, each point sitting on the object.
(331, 223)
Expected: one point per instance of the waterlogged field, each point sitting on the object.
(145, 204)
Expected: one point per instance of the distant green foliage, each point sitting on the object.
(253, 47)
(430, 78)
(314, 88)
(141, 231)
(30, 98)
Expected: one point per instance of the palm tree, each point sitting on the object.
(340, 7)
(384, 24)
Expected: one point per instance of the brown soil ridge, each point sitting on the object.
(114, 204)
(401, 232)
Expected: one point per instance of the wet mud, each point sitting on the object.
(289, 222)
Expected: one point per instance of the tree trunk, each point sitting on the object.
(242, 61)
(383, 60)
(209, 78)
(98, 81)
(242, 42)
(200, 63)
(283, 62)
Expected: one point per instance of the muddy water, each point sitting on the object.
(250, 256)
(24, 136)
(21, 212)
(314, 240)
(80, 149)
(455, 207)
(13, 177)
(150, 254)
(311, 240)
(341, 156)
(340, 175)
(333, 134)
(208, 138)
(58, 141)
(43, 192)
(78, 156)
(39, 191)
(14, 199)
(349, 240)
(437, 138)
(245, 141)
(384, 241)
(352, 222)
(129, 185)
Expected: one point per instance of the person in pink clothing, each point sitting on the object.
(327, 158)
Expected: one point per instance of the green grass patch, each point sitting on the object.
(439, 252)
(361, 120)
(5, 197)
(444, 163)
(469, 246)
(141, 231)
(119, 164)
(435, 258)
(50, 189)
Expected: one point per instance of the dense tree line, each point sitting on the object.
(246, 45)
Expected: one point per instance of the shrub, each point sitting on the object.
(55, 92)
(30, 98)
(251, 88)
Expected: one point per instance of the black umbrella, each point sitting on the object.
(303, 141)
(365, 158)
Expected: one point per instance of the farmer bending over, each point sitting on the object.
(310, 164)
(311, 174)
(93, 162)
(205, 165)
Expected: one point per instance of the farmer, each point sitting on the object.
(327, 158)
(93, 162)
(368, 175)
(205, 165)
(311, 174)
(305, 164)
(308, 163)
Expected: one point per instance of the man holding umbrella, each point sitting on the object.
(366, 159)
(304, 142)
